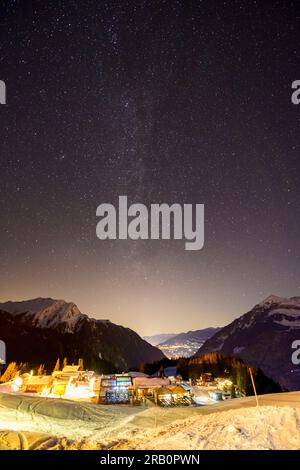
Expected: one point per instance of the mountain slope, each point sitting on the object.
(40, 330)
(47, 313)
(157, 339)
(186, 344)
(263, 337)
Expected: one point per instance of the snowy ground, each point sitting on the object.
(252, 428)
(39, 423)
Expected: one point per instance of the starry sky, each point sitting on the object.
(182, 101)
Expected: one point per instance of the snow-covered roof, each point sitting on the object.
(68, 369)
(150, 382)
(39, 380)
(185, 385)
(137, 374)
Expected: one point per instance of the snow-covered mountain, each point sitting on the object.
(263, 337)
(160, 338)
(43, 329)
(186, 344)
(47, 313)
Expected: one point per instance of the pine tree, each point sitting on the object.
(57, 365)
(81, 365)
(41, 369)
(10, 373)
(23, 367)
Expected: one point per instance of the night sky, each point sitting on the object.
(162, 101)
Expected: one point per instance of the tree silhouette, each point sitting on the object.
(41, 369)
(10, 372)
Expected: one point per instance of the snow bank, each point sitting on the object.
(260, 428)
(39, 423)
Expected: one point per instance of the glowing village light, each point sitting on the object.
(17, 383)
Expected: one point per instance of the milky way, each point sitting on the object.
(175, 102)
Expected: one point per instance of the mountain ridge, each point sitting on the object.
(263, 336)
(158, 338)
(186, 344)
(68, 332)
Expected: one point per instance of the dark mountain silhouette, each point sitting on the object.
(263, 337)
(41, 330)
